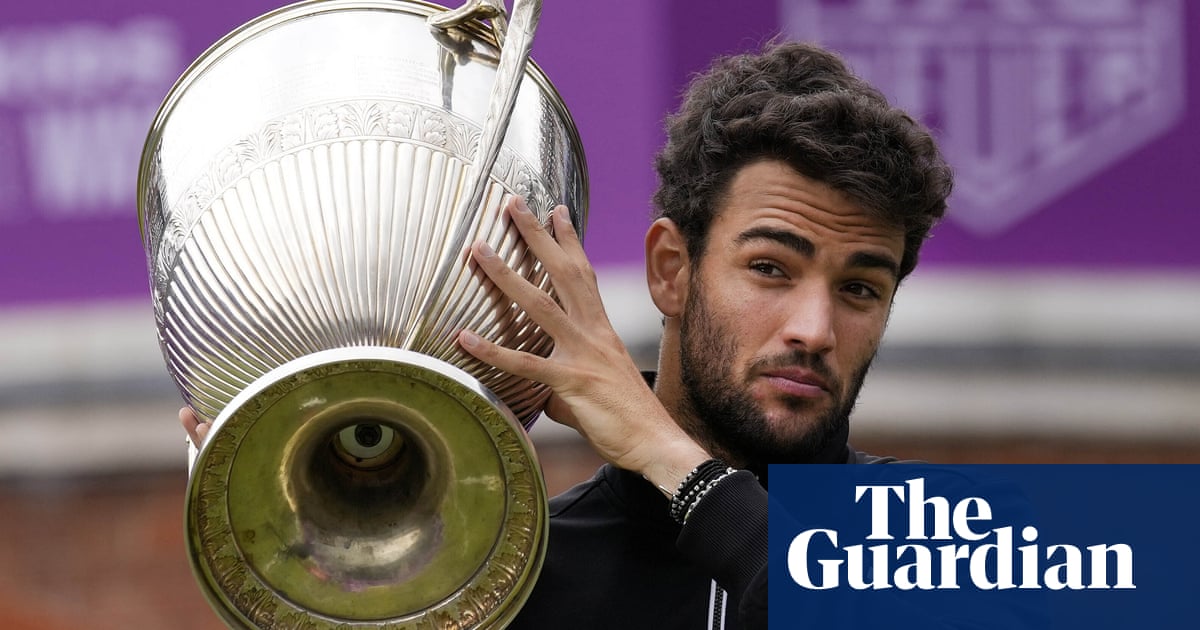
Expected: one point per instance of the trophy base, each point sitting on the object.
(366, 487)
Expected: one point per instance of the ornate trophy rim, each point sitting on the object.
(308, 8)
(492, 594)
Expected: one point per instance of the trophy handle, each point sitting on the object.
(481, 10)
(515, 35)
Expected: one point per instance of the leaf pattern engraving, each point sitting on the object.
(323, 124)
(431, 124)
(400, 119)
(361, 119)
(290, 129)
(170, 224)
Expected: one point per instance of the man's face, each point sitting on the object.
(785, 310)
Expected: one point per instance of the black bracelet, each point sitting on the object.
(704, 490)
(695, 485)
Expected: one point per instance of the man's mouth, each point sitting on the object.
(798, 382)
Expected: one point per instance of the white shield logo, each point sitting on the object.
(1028, 98)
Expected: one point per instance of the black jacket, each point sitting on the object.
(616, 560)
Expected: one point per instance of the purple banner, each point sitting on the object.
(1067, 123)
(79, 85)
(1068, 126)
(80, 82)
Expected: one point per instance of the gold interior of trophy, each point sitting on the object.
(365, 480)
(386, 480)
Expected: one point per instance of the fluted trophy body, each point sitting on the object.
(307, 196)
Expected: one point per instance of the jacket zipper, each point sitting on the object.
(716, 607)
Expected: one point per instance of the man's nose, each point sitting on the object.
(809, 324)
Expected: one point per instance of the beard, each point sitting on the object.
(726, 419)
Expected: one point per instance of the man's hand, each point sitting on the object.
(196, 429)
(597, 388)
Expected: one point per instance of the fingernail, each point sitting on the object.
(564, 212)
(522, 206)
(485, 250)
(468, 339)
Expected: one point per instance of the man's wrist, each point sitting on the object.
(668, 471)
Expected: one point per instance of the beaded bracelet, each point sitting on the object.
(695, 485)
(703, 491)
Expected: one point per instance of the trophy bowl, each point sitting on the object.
(307, 196)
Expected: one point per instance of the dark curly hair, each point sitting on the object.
(799, 104)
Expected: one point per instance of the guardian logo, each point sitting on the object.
(946, 543)
(986, 547)
(1029, 98)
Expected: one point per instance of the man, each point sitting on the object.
(793, 200)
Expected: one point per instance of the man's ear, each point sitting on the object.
(667, 267)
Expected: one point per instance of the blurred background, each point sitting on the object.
(1055, 317)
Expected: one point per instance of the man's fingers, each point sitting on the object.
(536, 235)
(522, 364)
(538, 304)
(187, 418)
(196, 429)
(562, 256)
(564, 231)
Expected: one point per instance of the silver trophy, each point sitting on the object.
(307, 196)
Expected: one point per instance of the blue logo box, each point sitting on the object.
(985, 546)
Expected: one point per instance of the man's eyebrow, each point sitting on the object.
(806, 248)
(791, 240)
(874, 261)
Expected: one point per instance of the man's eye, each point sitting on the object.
(766, 269)
(859, 289)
